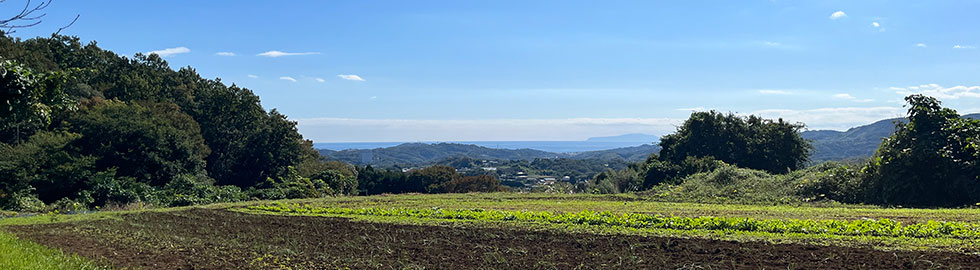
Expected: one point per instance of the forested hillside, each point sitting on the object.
(420, 154)
(84, 126)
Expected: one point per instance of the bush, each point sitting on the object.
(106, 187)
(830, 181)
(337, 182)
(477, 183)
(728, 184)
(933, 160)
(197, 189)
(658, 171)
(625, 180)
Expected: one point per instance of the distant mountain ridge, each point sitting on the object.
(426, 153)
(856, 142)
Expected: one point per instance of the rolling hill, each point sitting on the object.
(857, 142)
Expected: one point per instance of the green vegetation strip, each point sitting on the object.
(867, 227)
(20, 254)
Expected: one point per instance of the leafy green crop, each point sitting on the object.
(864, 227)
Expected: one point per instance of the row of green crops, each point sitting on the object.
(865, 227)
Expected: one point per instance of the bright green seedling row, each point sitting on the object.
(866, 227)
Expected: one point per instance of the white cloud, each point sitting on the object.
(253, 76)
(351, 77)
(774, 92)
(838, 15)
(374, 97)
(963, 47)
(400, 130)
(170, 51)
(281, 53)
(225, 54)
(694, 109)
(287, 78)
(834, 118)
(772, 43)
(851, 98)
(319, 79)
(940, 92)
(875, 24)
(920, 45)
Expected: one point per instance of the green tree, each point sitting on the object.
(749, 142)
(433, 179)
(475, 183)
(28, 99)
(152, 143)
(930, 161)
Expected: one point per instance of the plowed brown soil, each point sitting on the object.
(221, 239)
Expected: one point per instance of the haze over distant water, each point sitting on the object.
(592, 144)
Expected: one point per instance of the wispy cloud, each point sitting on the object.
(851, 98)
(253, 76)
(774, 92)
(692, 109)
(838, 15)
(319, 79)
(281, 53)
(921, 45)
(940, 92)
(225, 54)
(834, 118)
(170, 51)
(287, 78)
(964, 47)
(350, 77)
(875, 24)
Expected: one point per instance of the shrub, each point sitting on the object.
(729, 183)
(197, 189)
(830, 181)
(106, 187)
(477, 183)
(933, 160)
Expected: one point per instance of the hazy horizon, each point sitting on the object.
(553, 70)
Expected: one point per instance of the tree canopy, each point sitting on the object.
(749, 142)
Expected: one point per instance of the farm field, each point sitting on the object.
(499, 230)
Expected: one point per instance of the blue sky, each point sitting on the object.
(552, 70)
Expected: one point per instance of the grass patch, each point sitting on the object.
(21, 254)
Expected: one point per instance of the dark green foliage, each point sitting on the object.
(45, 166)
(433, 179)
(189, 189)
(106, 187)
(476, 183)
(930, 161)
(611, 181)
(156, 125)
(656, 171)
(749, 142)
(373, 181)
(153, 143)
(831, 181)
(28, 99)
(338, 182)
